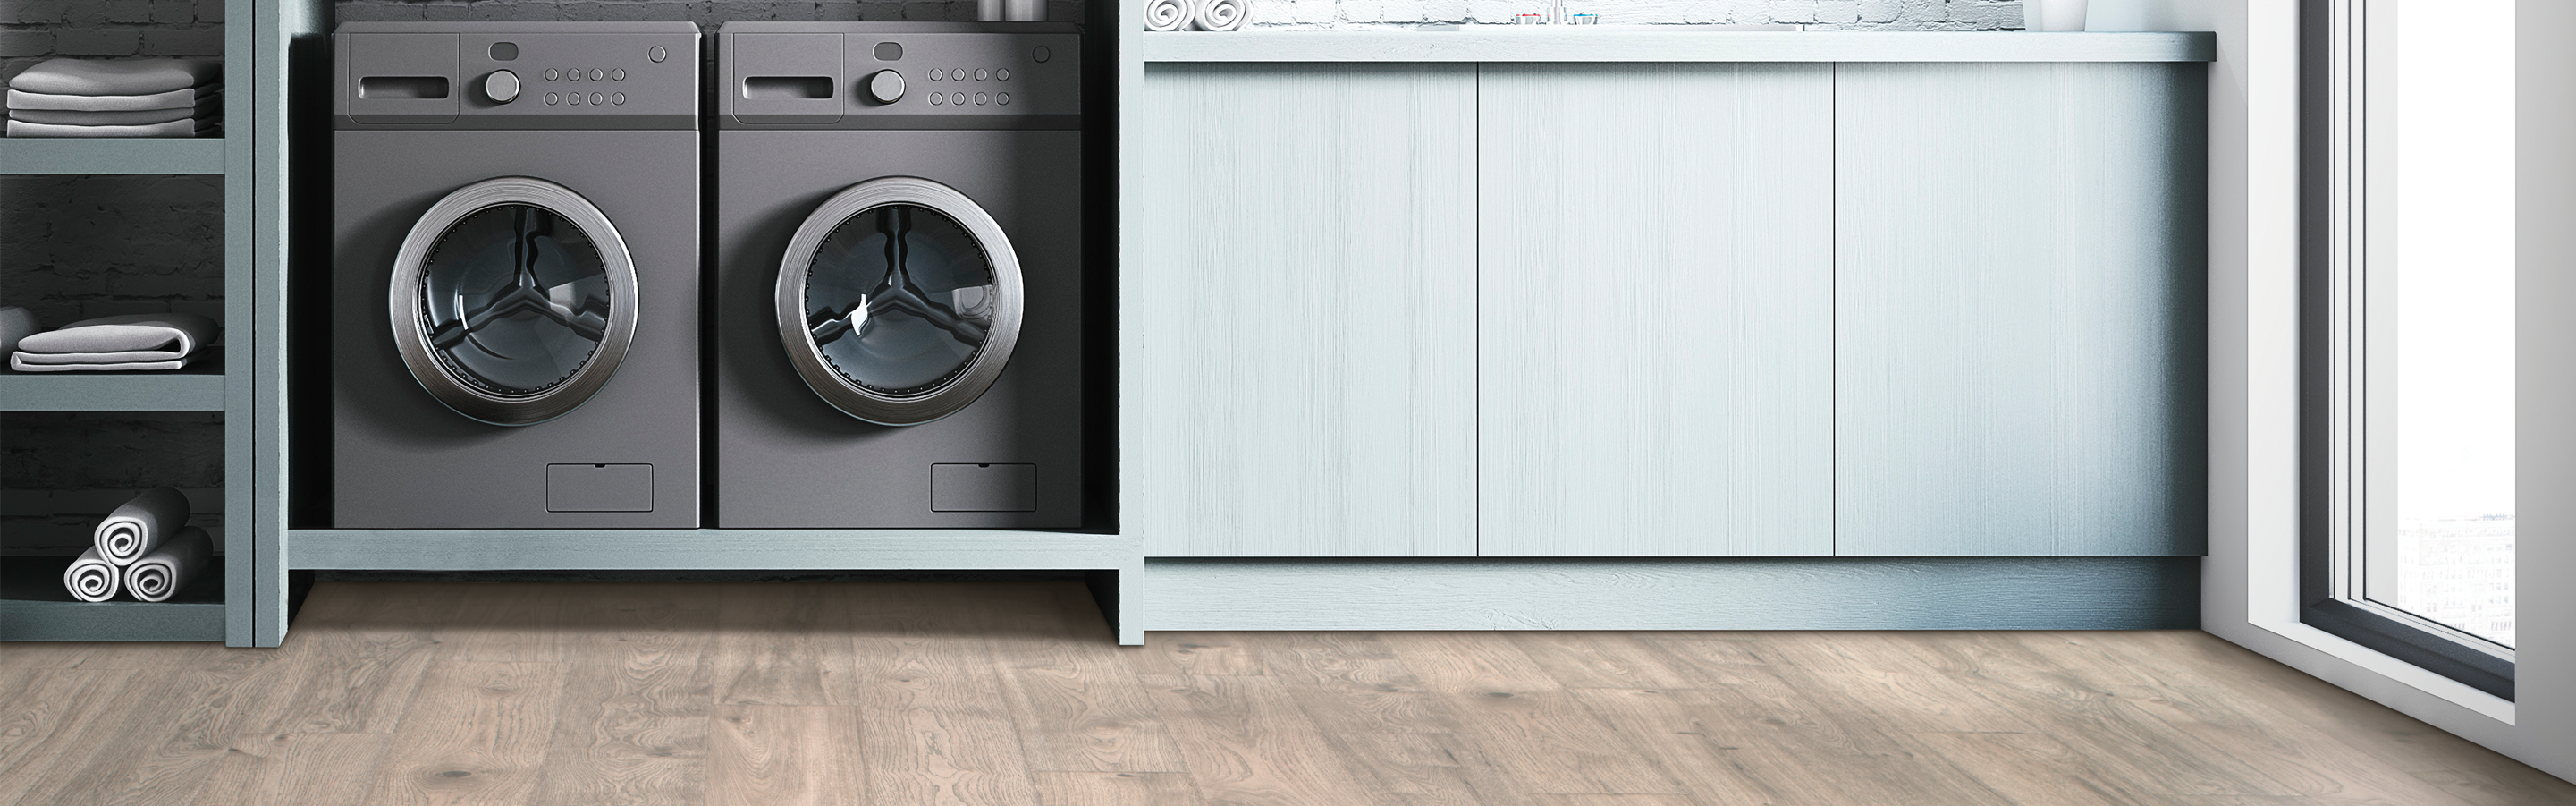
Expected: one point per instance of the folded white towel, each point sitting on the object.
(210, 109)
(1167, 15)
(184, 128)
(164, 572)
(74, 359)
(165, 335)
(17, 323)
(174, 99)
(117, 77)
(91, 578)
(18, 361)
(138, 527)
(1216, 15)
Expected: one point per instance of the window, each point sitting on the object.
(2408, 332)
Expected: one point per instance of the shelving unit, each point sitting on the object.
(34, 607)
(199, 387)
(218, 607)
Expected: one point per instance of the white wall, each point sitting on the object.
(2250, 580)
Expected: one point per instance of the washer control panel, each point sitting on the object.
(518, 75)
(899, 76)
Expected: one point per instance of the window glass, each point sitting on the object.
(2439, 326)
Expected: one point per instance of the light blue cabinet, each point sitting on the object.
(1310, 280)
(1655, 310)
(2019, 261)
(1712, 309)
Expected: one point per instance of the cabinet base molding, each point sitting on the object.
(1946, 593)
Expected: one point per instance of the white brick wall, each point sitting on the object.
(1903, 15)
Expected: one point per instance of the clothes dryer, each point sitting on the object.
(514, 278)
(899, 275)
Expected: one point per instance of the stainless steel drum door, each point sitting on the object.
(899, 301)
(513, 300)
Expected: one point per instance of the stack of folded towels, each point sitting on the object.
(122, 98)
(145, 548)
(106, 344)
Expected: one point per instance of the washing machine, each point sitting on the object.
(898, 306)
(515, 275)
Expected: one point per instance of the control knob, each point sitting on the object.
(502, 86)
(886, 86)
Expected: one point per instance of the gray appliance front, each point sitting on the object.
(786, 458)
(413, 445)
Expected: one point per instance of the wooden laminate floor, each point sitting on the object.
(788, 694)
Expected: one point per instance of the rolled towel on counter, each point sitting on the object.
(205, 110)
(91, 578)
(174, 99)
(1216, 15)
(177, 128)
(117, 77)
(1167, 15)
(17, 323)
(164, 572)
(131, 337)
(139, 527)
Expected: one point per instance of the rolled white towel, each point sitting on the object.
(118, 76)
(91, 578)
(209, 109)
(174, 99)
(1167, 15)
(176, 128)
(137, 336)
(164, 572)
(17, 323)
(138, 527)
(1216, 15)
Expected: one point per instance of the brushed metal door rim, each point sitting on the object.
(870, 405)
(412, 340)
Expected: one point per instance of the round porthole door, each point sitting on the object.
(513, 300)
(899, 301)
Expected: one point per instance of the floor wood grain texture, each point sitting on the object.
(1015, 695)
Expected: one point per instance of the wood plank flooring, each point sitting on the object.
(1013, 694)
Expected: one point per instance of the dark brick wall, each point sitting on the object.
(75, 247)
(33, 30)
(61, 472)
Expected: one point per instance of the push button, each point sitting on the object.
(596, 98)
(618, 74)
(958, 74)
(1002, 98)
(597, 74)
(553, 98)
(658, 54)
(553, 74)
(618, 99)
(980, 74)
(1003, 74)
(981, 99)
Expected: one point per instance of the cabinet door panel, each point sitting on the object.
(1656, 316)
(1309, 283)
(2019, 316)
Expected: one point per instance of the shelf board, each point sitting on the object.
(111, 155)
(199, 387)
(707, 549)
(34, 607)
(1674, 43)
